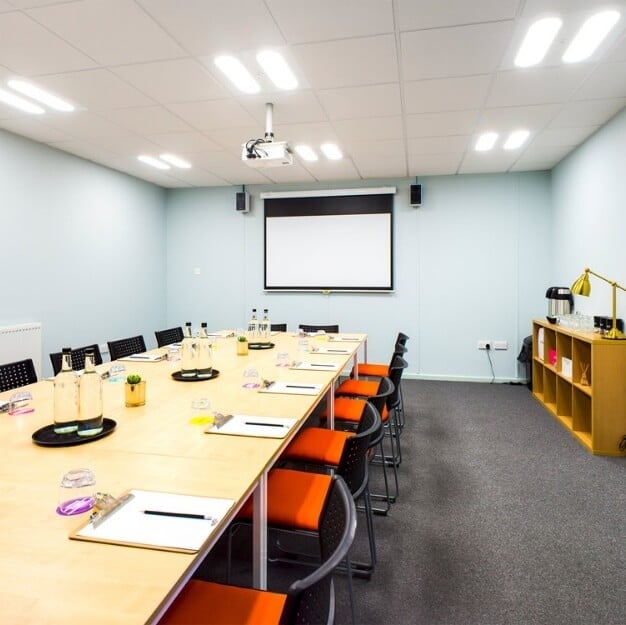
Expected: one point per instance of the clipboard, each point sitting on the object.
(156, 520)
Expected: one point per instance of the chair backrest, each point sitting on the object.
(78, 358)
(334, 329)
(398, 365)
(402, 338)
(169, 336)
(311, 600)
(278, 327)
(16, 374)
(126, 347)
(354, 459)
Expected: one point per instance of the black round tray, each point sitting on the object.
(260, 345)
(46, 437)
(177, 375)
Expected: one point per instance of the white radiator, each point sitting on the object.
(21, 341)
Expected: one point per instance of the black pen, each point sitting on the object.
(339, 351)
(180, 515)
(297, 386)
(315, 364)
(274, 425)
(142, 357)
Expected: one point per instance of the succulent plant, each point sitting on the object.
(133, 378)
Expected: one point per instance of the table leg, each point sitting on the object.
(259, 534)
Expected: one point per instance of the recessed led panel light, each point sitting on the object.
(538, 39)
(306, 152)
(235, 72)
(516, 139)
(155, 162)
(277, 69)
(331, 151)
(590, 36)
(40, 95)
(19, 103)
(486, 141)
(172, 159)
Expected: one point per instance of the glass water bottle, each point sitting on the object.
(204, 353)
(65, 396)
(253, 328)
(90, 398)
(188, 366)
(264, 327)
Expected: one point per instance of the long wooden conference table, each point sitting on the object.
(47, 578)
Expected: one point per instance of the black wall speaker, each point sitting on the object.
(416, 195)
(242, 202)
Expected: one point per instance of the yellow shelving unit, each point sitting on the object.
(595, 411)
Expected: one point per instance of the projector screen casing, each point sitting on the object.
(329, 243)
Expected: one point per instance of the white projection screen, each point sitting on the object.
(329, 243)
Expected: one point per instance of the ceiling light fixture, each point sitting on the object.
(277, 69)
(486, 141)
(516, 139)
(590, 36)
(538, 39)
(234, 70)
(331, 151)
(172, 159)
(306, 152)
(155, 162)
(26, 88)
(19, 103)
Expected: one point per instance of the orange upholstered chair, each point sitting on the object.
(309, 600)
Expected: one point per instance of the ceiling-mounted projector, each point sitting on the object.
(261, 153)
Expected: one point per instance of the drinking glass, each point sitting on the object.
(201, 411)
(18, 403)
(76, 492)
(117, 373)
(282, 359)
(251, 378)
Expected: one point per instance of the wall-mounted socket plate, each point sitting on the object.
(500, 345)
(483, 344)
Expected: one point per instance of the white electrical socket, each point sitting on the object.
(483, 344)
(500, 345)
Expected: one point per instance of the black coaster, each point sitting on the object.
(177, 375)
(260, 345)
(46, 436)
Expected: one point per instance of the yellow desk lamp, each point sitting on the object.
(583, 287)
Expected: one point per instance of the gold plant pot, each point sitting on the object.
(135, 394)
(242, 348)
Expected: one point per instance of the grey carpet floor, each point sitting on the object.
(503, 518)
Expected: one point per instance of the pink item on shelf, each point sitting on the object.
(552, 356)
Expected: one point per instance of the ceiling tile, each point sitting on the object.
(294, 173)
(212, 114)
(325, 170)
(369, 155)
(606, 81)
(179, 80)
(97, 90)
(29, 49)
(433, 164)
(555, 137)
(516, 117)
(487, 162)
(205, 27)
(587, 113)
(88, 24)
(34, 129)
(423, 14)
(83, 125)
(536, 86)
(288, 108)
(146, 120)
(452, 52)
(184, 142)
(347, 62)
(303, 20)
(441, 124)
(359, 102)
(320, 132)
(437, 145)
(446, 94)
(371, 128)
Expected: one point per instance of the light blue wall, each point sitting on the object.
(82, 248)
(588, 197)
(472, 263)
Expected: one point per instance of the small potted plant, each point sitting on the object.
(135, 390)
(242, 345)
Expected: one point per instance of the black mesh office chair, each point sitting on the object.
(126, 347)
(16, 374)
(278, 327)
(169, 336)
(78, 358)
(334, 329)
